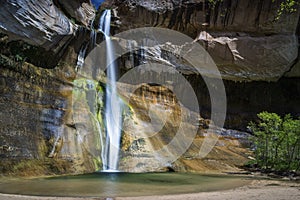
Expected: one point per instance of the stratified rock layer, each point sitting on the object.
(43, 23)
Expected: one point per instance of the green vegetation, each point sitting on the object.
(7, 62)
(285, 6)
(21, 52)
(213, 3)
(34, 167)
(277, 142)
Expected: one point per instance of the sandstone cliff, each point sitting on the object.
(37, 104)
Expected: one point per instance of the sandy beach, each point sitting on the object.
(257, 189)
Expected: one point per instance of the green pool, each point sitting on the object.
(120, 184)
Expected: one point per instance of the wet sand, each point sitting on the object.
(257, 189)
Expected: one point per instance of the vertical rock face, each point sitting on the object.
(38, 131)
(252, 16)
(40, 23)
(153, 138)
(226, 15)
(32, 111)
(245, 41)
(247, 58)
(183, 16)
(243, 37)
(40, 121)
(246, 99)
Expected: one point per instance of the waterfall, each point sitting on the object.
(81, 56)
(131, 54)
(93, 38)
(113, 115)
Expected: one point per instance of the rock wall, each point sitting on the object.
(41, 132)
(243, 37)
(161, 134)
(253, 50)
(246, 99)
(258, 17)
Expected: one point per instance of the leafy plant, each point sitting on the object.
(213, 3)
(286, 6)
(20, 58)
(276, 141)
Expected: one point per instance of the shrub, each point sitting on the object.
(276, 142)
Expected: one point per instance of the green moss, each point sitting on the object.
(97, 164)
(7, 62)
(20, 51)
(87, 96)
(34, 167)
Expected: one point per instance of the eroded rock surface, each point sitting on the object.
(43, 23)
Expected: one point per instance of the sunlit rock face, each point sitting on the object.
(155, 120)
(152, 140)
(43, 23)
(243, 37)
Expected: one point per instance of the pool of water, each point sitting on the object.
(120, 184)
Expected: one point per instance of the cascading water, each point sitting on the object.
(113, 115)
(81, 56)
